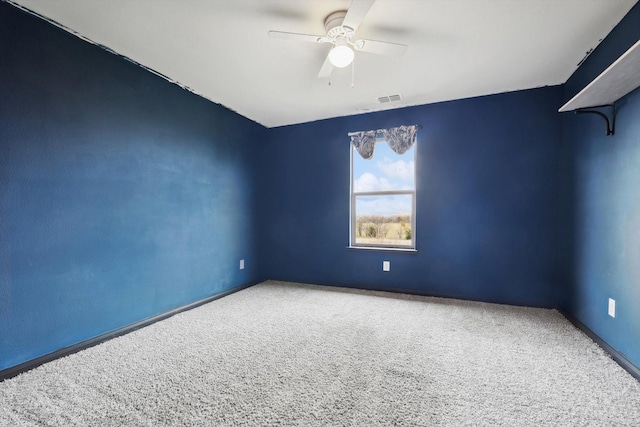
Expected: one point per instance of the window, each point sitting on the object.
(383, 192)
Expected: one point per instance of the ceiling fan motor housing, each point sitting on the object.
(334, 28)
(341, 37)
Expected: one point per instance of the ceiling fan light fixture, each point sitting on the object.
(341, 55)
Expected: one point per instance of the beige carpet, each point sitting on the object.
(289, 354)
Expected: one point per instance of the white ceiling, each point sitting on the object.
(219, 49)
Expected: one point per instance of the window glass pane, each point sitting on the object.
(384, 220)
(385, 171)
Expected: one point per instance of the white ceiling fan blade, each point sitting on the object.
(327, 68)
(356, 13)
(380, 48)
(295, 36)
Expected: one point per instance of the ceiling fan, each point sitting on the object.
(341, 28)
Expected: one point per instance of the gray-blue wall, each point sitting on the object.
(121, 195)
(487, 201)
(600, 244)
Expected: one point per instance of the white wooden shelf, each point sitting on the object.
(622, 77)
(619, 79)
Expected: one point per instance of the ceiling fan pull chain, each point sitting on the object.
(353, 73)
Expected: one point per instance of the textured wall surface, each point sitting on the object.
(487, 201)
(600, 244)
(122, 195)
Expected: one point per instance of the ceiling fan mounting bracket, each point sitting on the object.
(335, 30)
(334, 20)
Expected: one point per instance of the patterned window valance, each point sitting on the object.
(400, 139)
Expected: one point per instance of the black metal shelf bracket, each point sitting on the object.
(611, 123)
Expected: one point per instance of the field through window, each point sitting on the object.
(383, 198)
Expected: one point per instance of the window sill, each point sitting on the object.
(375, 248)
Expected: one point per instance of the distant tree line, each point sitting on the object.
(384, 227)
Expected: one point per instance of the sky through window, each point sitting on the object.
(385, 171)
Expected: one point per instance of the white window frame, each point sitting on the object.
(352, 206)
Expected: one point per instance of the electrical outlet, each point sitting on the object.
(612, 307)
(386, 265)
(241, 264)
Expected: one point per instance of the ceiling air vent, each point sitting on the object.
(390, 98)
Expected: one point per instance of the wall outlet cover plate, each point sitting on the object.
(612, 307)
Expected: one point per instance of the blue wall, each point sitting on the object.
(121, 195)
(600, 245)
(487, 201)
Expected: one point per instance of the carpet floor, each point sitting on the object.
(299, 355)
